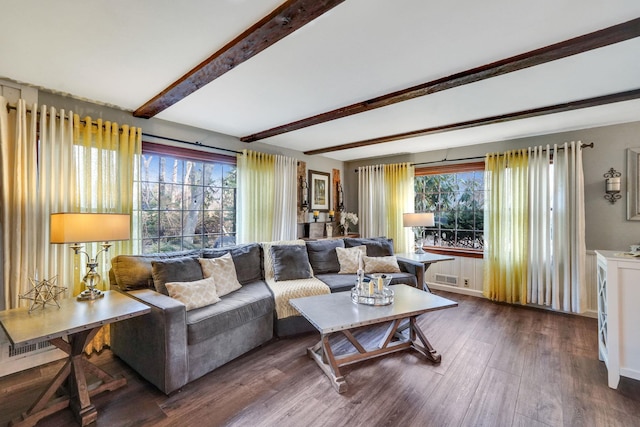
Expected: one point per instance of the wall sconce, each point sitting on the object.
(304, 203)
(340, 200)
(612, 185)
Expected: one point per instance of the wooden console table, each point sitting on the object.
(79, 321)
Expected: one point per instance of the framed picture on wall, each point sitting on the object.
(320, 196)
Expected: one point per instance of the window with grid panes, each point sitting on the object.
(187, 199)
(455, 194)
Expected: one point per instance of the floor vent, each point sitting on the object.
(446, 279)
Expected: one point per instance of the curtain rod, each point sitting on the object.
(589, 145)
(13, 107)
(197, 144)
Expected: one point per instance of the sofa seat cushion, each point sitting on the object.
(401, 278)
(250, 302)
(338, 282)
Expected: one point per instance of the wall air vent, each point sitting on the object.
(446, 279)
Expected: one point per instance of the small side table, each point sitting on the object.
(426, 259)
(79, 321)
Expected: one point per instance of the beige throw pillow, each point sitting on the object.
(194, 294)
(381, 264)
(348, 258)
(223, 271)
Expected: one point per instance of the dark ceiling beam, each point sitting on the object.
(525, 114)
(287, 18)
(595, 40)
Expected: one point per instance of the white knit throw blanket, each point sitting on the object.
(285, 290)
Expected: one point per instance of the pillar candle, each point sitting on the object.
(380, 284)
(370, 287)
(613, 185)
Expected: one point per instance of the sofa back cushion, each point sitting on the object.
(185, 269)
(322, 255)
(246, 258)
(134, 271)
(376, 246)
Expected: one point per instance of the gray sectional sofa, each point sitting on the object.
(172, 346)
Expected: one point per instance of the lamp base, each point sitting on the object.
(90, 295)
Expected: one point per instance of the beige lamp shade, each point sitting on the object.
(89, 227)
(418, 219)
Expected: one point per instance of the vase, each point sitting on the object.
(346, 229)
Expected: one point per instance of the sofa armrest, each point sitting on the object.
(413, 267)
(155, 345)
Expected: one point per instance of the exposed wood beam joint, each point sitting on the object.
(287, 18)
(525, 114)
(595, 40)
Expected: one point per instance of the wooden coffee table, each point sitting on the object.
(336, 314)
(79, 321)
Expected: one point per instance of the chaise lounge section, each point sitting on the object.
(173, 345)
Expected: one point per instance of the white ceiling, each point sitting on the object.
(124, 53)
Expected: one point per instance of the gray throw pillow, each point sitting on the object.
(135, 272)
(175, 270)
(246, 258)
(322, 255)
(376, 246)
(290, 262)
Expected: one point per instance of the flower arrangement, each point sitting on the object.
(348, 218)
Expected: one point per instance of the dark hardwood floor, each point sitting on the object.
(501, 366)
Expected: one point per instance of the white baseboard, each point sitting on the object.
(476, 293)
(455, 289)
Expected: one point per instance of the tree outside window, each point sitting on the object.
(457, 200)
(186, 203)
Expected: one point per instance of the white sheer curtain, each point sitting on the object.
(372, 221)
(267, 197)
(385, 192)
(34, 184)
(557, 226)
(285, 216)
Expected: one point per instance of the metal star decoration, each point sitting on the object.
(43, 292)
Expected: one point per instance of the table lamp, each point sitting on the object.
(79, 228)
(419, 220)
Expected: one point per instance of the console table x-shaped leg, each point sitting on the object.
(392, 341)
(73, 373)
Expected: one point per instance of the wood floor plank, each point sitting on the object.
(540, 393)
(538, 367)
(449, 402)
(494, 402)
